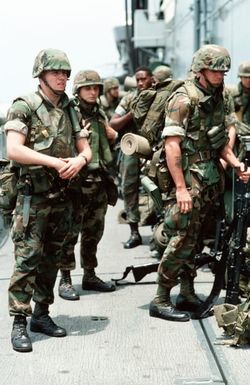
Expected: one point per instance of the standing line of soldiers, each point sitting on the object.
(61, 150)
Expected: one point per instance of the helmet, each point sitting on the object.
(160, 237)
(86, 78)
(110, 83)
(212, 57)
(129, 83)
(244, 69)
(50, 59)
(162, 73)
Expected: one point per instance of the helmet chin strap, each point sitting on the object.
(210, 86)
(57, 93)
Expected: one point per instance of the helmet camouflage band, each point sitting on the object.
(244, 69)
(212, 57)
(110, 83)
(86, 78)
(50, 59)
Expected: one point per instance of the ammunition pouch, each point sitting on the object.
(235, 320)
(201, 156)
(217, 137)
(164, 178)
(159, 172)
(8, 188)
(41, 179)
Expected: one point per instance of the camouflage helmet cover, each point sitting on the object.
(244, 69)
(110, 83)
(50, 59)
(162, 73)
(212, 57)
(86, 78)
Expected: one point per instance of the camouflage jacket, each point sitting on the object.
(93, 119)
(48, 129)
(125, 106)
(241, 103)
(191, 113)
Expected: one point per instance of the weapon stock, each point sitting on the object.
(139, 271)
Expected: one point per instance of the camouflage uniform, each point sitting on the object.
(38, 245)
(130, 167)
(241, 97)
(202, 177)
(89, 217)
(199, 116)
(43, 136)
(109, 106)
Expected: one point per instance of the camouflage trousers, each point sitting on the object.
(130, 184)
(89, 221)
(37, 251)
(184, 232)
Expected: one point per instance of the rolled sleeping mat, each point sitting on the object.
(135, 144)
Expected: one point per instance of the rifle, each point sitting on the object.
(236, 260)
(139, 271)
(218, 255)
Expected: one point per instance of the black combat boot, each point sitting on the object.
(19, 337)
(162, 307)
(135, 238)
(66, 290)
(41, 322)
(187, 299)
(91, 282)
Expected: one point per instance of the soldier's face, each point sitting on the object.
(143, 80)
(89, 94)
(245, 80)
(215, 78)
(114, 92)
(57, 80)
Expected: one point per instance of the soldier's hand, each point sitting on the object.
(243, 172)
(59, 164)
(111, 133)
(71, 167)
(184, 200)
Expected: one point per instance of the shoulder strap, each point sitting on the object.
(191, 92)
(35, 103)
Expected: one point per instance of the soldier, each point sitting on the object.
(97, 189)
(42, 139)
(195, 138)
(110, 99)
(122, 121)
(241, 95)
(111, 96)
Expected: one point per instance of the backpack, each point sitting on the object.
(153, 125)
(149, 109)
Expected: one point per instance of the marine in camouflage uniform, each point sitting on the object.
(241, 95)
(43, 140)
(111, 96)
(122, 122)
(96, 189)
(109, 100)
(195, 138)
